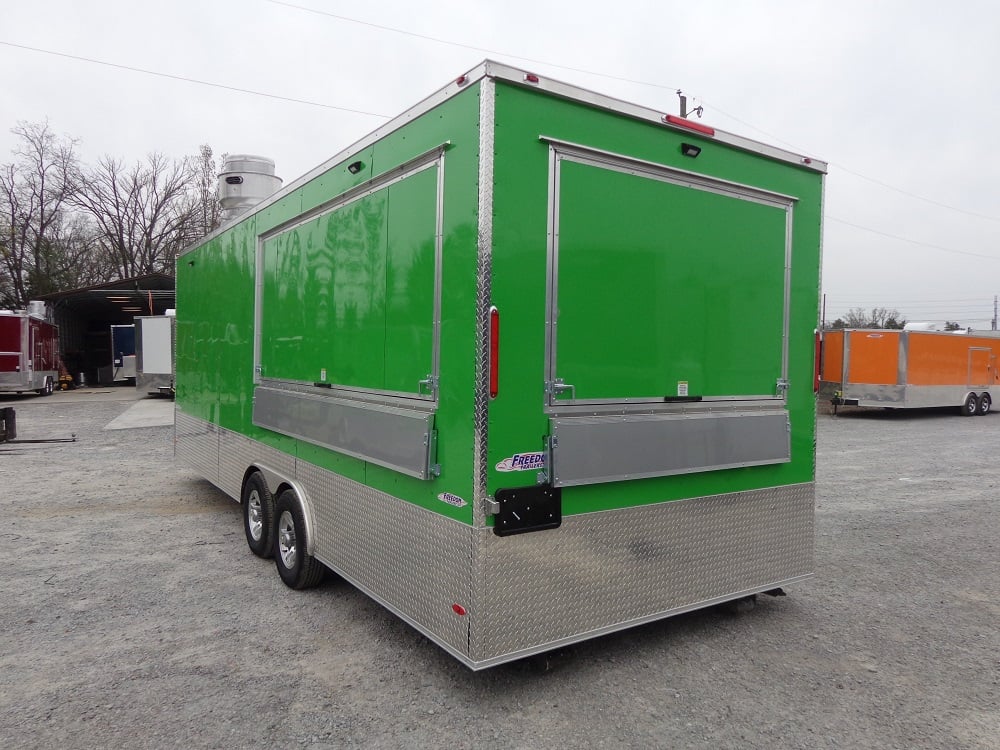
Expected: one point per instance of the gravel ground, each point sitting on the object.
(132, 615)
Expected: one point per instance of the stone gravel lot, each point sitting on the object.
(132, 615)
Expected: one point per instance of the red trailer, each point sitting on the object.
(29, 352)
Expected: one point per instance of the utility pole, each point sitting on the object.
(994, 312)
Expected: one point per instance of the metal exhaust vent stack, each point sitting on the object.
(38, 309)
(244, 182)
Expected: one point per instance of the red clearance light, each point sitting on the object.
(494, 352)
(683, 123)
(818, 364)
(462, 80)
(531, 78)
(806, 160)
(458, 609)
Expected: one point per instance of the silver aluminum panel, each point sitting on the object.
(235, 456)
(14, 380)
(909, 396)
(416, 563)
(196, 444)
(237, 453)
(607, 571)
(939, 395)
(394, 437)
(875, 395)
(153, 382)
(589, 450)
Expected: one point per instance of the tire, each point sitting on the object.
(46, 390)
(297, 569)
(985, 404)
(258, 515)
(971, 406)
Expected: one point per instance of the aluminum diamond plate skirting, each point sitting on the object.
(597, 573)
(237, 453)
(196, 444)
(601, 572)
(413, 561)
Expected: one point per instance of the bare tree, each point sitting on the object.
(877, 317)
(35, 190)
(206, 186)
(69, 259)
(145, 214)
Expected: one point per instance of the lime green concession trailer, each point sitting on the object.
(527, 365)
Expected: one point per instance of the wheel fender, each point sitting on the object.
(275, 481)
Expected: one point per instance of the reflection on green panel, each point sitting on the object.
(214, 343)
(345, 287)
(661, 284)
(410, 283)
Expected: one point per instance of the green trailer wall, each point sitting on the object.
(701, 315)
(375, 349)
(711, 300)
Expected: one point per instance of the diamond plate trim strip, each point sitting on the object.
(484, 290)
(605, 571)
(484, 271)
(415, 562)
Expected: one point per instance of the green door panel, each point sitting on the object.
(660, 284)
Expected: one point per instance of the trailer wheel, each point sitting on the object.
(971, 406)
(46, 390)
(258, 515)
(985, 404)
(297, 569)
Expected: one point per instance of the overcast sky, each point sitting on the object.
(899, 96)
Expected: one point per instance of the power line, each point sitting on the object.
(622, 79)
(461, 45)
(942, 248)
(917, 197)
(185, 79)
(840, 166)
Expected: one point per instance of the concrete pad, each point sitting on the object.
(154, 412)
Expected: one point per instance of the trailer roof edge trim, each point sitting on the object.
(518, 76)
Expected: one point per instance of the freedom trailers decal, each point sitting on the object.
(534, 461)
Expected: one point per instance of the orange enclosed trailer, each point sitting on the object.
(910, 369)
